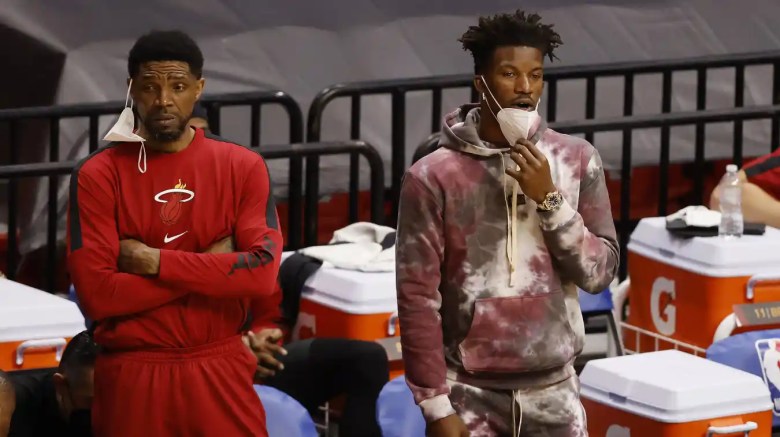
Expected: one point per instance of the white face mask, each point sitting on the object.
(515, 123)
(123, 130)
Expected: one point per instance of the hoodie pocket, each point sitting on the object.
(518, 334)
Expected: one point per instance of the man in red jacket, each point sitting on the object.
(151, 221)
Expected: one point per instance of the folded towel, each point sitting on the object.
(362, 246)
(696, 216)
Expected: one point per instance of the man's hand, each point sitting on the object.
(450, 426)
(224, 245)
(534, 176)
(263, 345)
(137, 258)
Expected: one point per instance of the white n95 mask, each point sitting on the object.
(515, 123)
(124, 130)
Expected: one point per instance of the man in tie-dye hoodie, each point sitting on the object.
(494, 238)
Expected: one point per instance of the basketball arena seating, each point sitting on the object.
(640, 196)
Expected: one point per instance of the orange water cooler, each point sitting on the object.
(35, 327)
(673, 394)
(684, 290)
(340, 303)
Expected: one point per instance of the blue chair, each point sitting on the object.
(600, 304)
(284, 416)
(396, 411)
(754, 352)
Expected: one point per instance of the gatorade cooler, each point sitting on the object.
(683, 289)
(35, 326)
(352, 304)
(672, 394)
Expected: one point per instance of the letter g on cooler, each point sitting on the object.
(662, 308)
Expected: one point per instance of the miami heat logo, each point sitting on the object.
(172, 199)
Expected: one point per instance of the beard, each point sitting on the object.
(165, 134)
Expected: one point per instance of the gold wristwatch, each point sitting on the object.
(552, 201)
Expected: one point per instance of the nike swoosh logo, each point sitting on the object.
(169, 239)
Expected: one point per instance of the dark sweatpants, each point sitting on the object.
(317, 370)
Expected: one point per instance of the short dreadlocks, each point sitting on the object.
(513, 29)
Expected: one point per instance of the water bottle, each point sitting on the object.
(731, 224)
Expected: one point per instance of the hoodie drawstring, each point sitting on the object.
(511, 223)
(516, 425)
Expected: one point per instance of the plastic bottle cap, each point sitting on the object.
(731, 168)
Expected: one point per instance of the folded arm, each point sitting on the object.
(93, 249)
(249, 272)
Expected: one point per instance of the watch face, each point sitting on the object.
(552, 201)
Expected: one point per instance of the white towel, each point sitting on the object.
(697, 216)
(357, 247)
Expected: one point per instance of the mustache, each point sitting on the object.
(157, 113)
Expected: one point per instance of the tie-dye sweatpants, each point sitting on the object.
(551, 411)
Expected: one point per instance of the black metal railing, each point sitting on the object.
(255, 101)
(13, 118)
(398, 89)
(93, 112)
(12, 173)
(295, 153)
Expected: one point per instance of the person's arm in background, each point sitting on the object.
(715, 196)
(93, 250)
(758, 206)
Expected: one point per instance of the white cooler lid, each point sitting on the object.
(709, 256)
(673, 387)
(351, 291)
(27, 313)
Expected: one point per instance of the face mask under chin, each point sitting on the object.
(515, 123)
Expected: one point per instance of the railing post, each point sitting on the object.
(663, 175)
(701, 132)
(398, 139)
(739, 101)
(625, 203)
(51, 236)
(13, 205)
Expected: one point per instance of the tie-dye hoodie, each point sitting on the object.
(505, 310)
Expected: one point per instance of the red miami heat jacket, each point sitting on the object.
(185, 202)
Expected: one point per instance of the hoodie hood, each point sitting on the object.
(460, 131)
